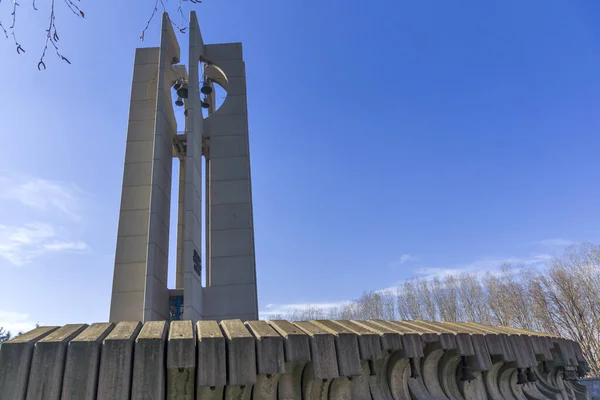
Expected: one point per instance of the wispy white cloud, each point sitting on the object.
(20, 245)
(287, 309)
(404, 258)
(481, 266)
(16, 322)
(556, 242)
(42, 194)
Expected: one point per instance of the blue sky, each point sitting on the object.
(389, 139)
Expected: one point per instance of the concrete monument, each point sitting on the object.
(217, 143)
(221, 351)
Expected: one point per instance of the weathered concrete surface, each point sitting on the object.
(258, 360)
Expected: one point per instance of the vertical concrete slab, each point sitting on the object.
(48, 363)
(231, 266)
(211, 375)
(116, 361)
(322, 351)
(15, 362)
(129, 278)
(390, 339)
(192, 242)
(369, 343)
(181, 361)
(149, 381)
(346, 347)
(83, 363)
(241, 353)
(156, 295)
(269, 348)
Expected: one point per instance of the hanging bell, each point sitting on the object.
(531, 376)
(413, 370)
(521, 377)
(181, 87)
(206, 88)
(179, 102)
(466, 373)
(204, 104)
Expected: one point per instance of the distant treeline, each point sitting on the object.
(562, 298)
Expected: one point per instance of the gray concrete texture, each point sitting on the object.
(220, 143)
(283, 360)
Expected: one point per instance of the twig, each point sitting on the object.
(150, 20)
(52, 38)
(4, 30)
(20, 49)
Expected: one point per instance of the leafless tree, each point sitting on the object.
(11, 24)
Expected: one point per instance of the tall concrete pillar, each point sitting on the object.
(231, 275)
(141, 261)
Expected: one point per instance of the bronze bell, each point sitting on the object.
(521, 377)
(204, 104)
(531, 376)
(179, 102)
(206, 88)
(413, 370)
(466, 373)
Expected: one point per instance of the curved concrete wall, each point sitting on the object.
(283, 360)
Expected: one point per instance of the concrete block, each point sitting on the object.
(137, 174)
(145, 72)
(222, 169)
(222, 51)
(390, 339)
(231, 242)
(230, 216)
(140, 131)
(137, 152)
(131, 249)
(15, 362)
(129, 277)
(230, 192)
(322, 351)
(219, 301)
(233, 104)
(126, 306)
(236, 86)
(146, 55)
(228, 146)
(411, 342)
(83, 363)
(116, 362)
(236, 270)
(241, 353)
(346, 347)
(133, 223)
(142, 110)
(212, 364)
(232, 67)
(135, 198)
(143, 91)
(149, 360)
(369, 343)
(269, 348)
(48, 363)
(181, 361)
(296, 346)
(217, 125)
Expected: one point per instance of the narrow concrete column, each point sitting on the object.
(241, 360)
(181, 361)
(270, 361)
(15, 362)
(149, 362)
(47, 366)
(116, 361)
(179, 274)
(83, 363)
